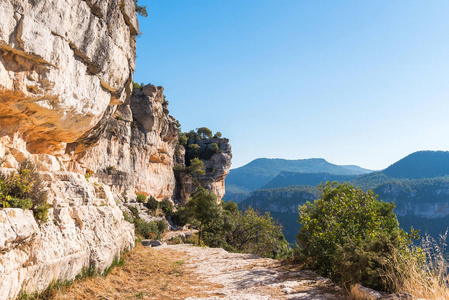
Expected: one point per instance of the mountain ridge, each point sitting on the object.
(259, 172)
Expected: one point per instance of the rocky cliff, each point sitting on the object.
(216, 165)
(134, 152)
(67, 105)
(64, 68)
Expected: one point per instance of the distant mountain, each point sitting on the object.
(285, 179)
(357, 169)
(254, 175)
(421, 164)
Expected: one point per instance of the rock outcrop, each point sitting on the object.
(216, 165)
(62, 63)
(134, 153)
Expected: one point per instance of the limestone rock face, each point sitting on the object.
(85, 229)
(134, 154)
(61, 64)
(64, 68)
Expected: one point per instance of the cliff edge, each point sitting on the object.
(64, 68)
(68, 107)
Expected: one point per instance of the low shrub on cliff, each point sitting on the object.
(23, 189)
(166, 206)
(152, 203)
(150, 230)
(352, 237)
(138, 85)
(141, 198)
(147, 230)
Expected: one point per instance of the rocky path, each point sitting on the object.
(248, 277)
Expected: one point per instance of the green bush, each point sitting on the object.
(214, 148)
(161, 225)
(19, 203)
(350, 236)
(23, 189)
(196, 168)
(182, 139)
(167, 207)
(134, 211)
(137, 85)
(152, 204)
(204, 133)
(149, 230)
(194, 150)
(141, 198)
(127, 218)
(226, 227)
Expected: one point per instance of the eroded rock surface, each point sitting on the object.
(64, 68)
(61, 64)
(85, 229)
(134, 153)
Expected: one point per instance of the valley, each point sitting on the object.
(418, 184)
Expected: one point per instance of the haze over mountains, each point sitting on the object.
(418, 184)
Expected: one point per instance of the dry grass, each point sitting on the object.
(146, 274)
(356, 294)
(431, 280)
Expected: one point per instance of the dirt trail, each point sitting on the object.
(188, 272)
(246, 276)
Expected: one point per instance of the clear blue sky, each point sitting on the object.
(354, 82)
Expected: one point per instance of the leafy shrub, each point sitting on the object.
(141, 198)
(214, 148)
(152, 203)
(137, 85)
(182, 139)
(226, 227)
(161, 225)
(196, 167)
(140, 9)
(175, 240)
(217, 135)
(350, 236)
(23, 189)
(19, 203)
(167, 206)
(192, 135)
(127, 218)
(134, 211)
(165, 102)
(149, 230)
(194, 150)
(41, 212)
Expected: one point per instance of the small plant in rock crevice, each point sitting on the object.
(24, 189)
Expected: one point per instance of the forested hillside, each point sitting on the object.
(418, 184)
